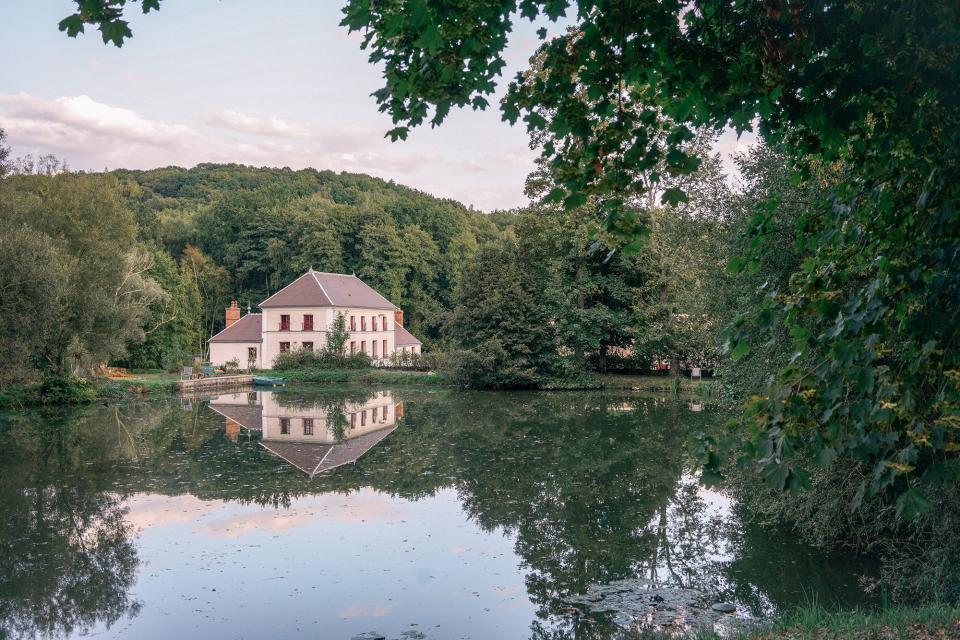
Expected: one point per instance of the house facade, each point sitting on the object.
(300, 315)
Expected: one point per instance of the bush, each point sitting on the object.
(306, 359)
(430, 361)
(53, 390)
(488, 367)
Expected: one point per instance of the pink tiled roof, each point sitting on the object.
(318, 289)
(246, 329)
(305, 291)
(403, 337)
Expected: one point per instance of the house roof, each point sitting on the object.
(403, 338)
(246, 329)
(247, 416)
(314, 457)
(319, 289)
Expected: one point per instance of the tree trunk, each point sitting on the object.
(674, 365)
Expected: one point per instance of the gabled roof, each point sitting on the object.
(246, 329)
(313, 457)
(247, 416)
(403, 338)
(305, 291)
(319, 289)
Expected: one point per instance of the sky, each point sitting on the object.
(262, 83)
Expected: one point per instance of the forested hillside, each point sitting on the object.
(244, 232)
(139, 265)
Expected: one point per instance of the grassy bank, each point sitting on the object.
(70, 390)
(898, 623)
(73, 390)
(931, 622)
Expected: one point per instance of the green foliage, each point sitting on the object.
(107, 15)
(245, 232)
(87, 296)
(308, 359)
(52, 390)
(502, 321)
(429, 361)
(860, 95)
(337, 336)
(864, 94)
(174, 328)
(363, 375)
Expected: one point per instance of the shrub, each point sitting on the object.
(489, 367)
(430, 361)
(306, 359)
(53, 390)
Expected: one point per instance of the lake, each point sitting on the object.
(327, 513)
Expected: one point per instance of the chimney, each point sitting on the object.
(398, 316)
(233, 313)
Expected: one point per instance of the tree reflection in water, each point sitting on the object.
(593, 487)
(66, 559)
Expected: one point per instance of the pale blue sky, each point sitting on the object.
(265, 83)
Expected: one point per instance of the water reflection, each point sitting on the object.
(315, 437)
(480, 512)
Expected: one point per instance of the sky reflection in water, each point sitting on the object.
(326, 513)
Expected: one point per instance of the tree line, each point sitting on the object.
(135, 268)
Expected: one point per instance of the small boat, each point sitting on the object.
(269, 381)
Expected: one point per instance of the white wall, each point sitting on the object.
(384, 330)
(322, 319)
(221, 352)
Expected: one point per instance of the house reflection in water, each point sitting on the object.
(313, 438)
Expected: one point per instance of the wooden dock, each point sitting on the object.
(216, 382)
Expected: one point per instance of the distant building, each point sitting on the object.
(299, 316)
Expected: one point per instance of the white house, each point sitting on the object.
(299, 316)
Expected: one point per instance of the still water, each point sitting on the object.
(333, 512)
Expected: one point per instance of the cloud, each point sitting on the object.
(93, 135)
(71, 121)
(269, 126)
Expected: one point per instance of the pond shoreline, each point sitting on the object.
(74, 391)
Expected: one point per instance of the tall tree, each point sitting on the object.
(213, 285)
(871, 87)
(105, 294)
(503, 320)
